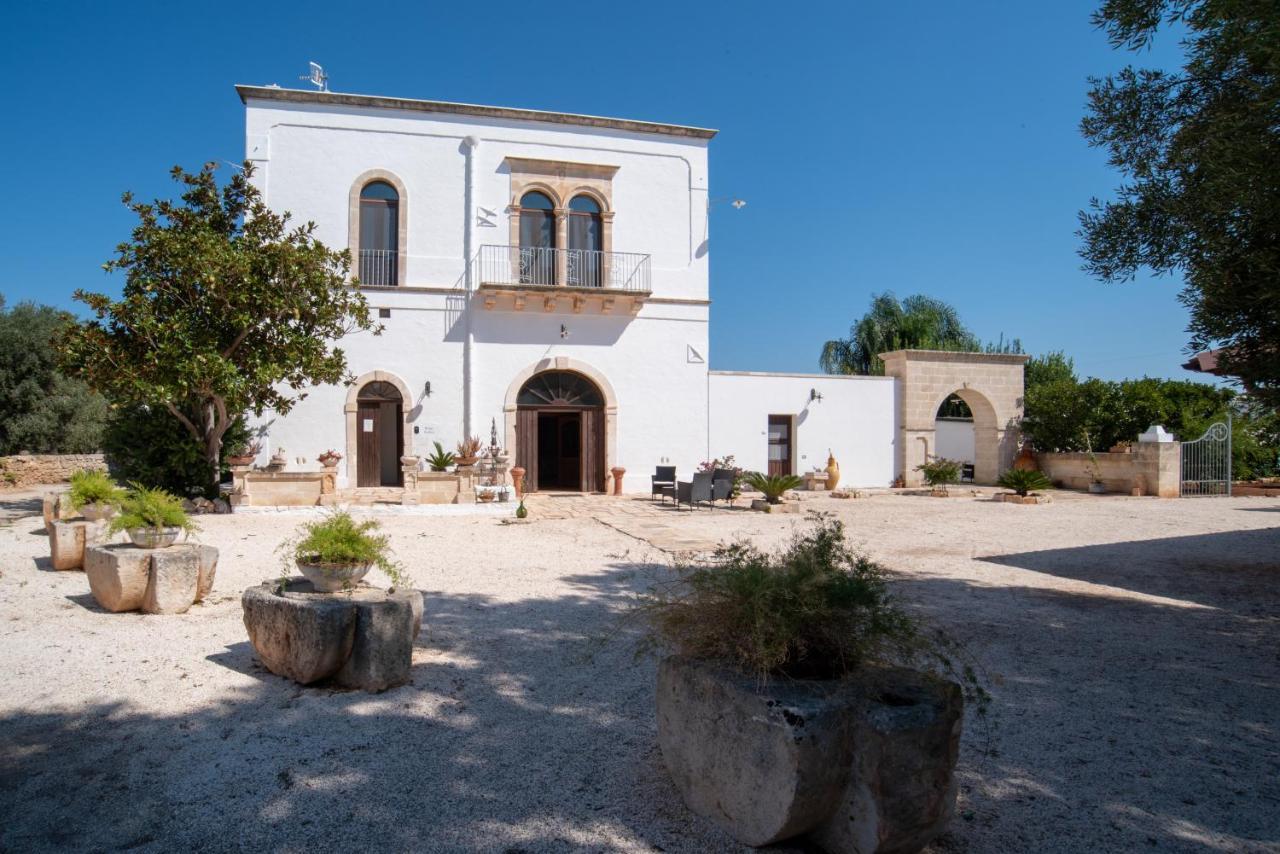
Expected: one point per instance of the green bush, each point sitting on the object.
(940, 472)
(441, 459)
(150, 446)
(772, 485)
(42, 410)
(814, 610)
(339, 540)
(1023, 481)
(94, 487)
(148, 507)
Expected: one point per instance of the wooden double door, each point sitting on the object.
(561, 448)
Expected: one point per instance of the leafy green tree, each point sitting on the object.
(146, 444)
(226, 309)
(41, 410)
(1200, 153)
(917, 322)
(1051, 367)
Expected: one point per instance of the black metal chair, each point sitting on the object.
(722, 485)
(663, 482)
(695, 492)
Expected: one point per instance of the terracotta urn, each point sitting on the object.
(517, 480)
(833, 470)
(1026, 459)
(618, 472)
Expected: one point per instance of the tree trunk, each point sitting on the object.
(214, 423)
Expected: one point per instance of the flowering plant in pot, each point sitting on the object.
(152, 518)
(783, 672)
(335, 552)
(329, 458)
(94, 494)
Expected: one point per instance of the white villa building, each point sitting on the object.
(548, 273)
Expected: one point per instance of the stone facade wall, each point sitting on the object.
(1152, 468)
(990, 383)
(35, 469)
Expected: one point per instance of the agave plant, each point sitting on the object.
(772, 485)
(1024, 481)
(441, 459)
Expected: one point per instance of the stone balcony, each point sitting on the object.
(520, 278)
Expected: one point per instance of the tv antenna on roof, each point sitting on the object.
(317, 77)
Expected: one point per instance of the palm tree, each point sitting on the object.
(917, 322)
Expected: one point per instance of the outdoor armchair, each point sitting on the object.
(722, 485)
(698, 490)
(663, 482)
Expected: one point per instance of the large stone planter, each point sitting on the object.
(124, 577)
(362, 638)
(55, 508)
(764, 506)
(860, 765)
(68, 540)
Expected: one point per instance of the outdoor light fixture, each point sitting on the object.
(814, 395)
(426, 389)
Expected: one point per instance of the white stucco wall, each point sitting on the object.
(854, 419)
(954, 440)
(308, 157)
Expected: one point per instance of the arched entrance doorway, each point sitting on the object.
(379, 434)
(560, 432)
(954, 437)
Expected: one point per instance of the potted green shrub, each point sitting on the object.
(1096, 486)
(795, 689)
(94, 494)
(152, 518)
(441, 459)
(335, 552)
(772, 486)
(939, 473)
(244, 453)
(1024, 482)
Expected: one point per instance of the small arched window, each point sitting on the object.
(537, 239)
(586, 240)
(379, 234)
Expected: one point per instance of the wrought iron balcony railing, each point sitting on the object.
(533, 266)
(379, 267)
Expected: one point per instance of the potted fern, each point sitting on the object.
(94, 494)
(441, 459)
(152, 517)
(337, 551)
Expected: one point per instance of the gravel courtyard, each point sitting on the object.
(1131, 647)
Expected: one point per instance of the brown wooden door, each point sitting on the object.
(592, 451)
(368, 456)
(781, 443)
(527, 446)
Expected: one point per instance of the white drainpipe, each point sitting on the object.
(469, 250)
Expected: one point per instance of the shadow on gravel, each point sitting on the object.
(1222, 570)
(1120, 724)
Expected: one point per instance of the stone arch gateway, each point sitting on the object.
(990, 383)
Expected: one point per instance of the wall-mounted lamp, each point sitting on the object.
(564, 331)
(426, 389)
(814, 394)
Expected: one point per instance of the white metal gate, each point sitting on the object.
(1206, 462)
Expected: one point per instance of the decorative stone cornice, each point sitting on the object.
(302, 96)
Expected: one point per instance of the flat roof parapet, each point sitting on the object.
(305, 96)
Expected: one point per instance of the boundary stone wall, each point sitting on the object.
(35, 469)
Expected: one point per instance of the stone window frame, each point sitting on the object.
(561, 181)
(363, 180)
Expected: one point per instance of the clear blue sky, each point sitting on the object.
(920, 148)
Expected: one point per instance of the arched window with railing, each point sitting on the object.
(379, 260)
(537, 239)
(586, 243)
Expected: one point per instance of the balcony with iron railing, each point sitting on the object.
(550, 274)
(379, 268)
